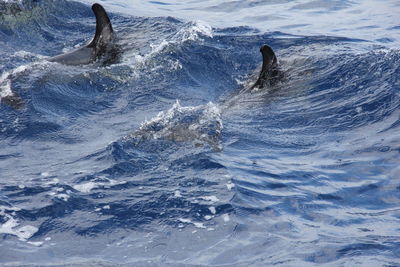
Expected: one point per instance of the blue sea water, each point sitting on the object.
(168, 159)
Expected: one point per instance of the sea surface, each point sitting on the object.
(168, 158)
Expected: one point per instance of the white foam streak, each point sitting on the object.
(89, 186)
(196, 224)
(197, 124)
(11, 225)
(191, 31)
(210, 110)
(5, 81)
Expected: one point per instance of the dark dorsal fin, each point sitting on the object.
(104, 31)
(269, 58)
(269, 70)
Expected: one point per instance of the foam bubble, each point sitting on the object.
(230, 185)
(226, 218)
(212, 210)
(177, 193)
(64, 197)
(37, 244)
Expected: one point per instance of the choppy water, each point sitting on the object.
(165, 159)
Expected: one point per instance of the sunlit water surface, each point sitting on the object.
(168, 159)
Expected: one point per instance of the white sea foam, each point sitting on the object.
(191, 31)
(230, 186)
(226, 218)
(5, 85)
(196, 224)
(86, 187)
(102, 182)
(5, 79)
(213, 210)
(210, 198)
(185, 220)
(177, 193)
(52, 182)
(12, 1)
(197, 124)
(37, 243)
(199, 225)
(64, 197)
(11, 226)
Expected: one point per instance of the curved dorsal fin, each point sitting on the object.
(269, 70)
(104, 31)
(269, 58)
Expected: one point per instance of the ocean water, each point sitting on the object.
(167, 158)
